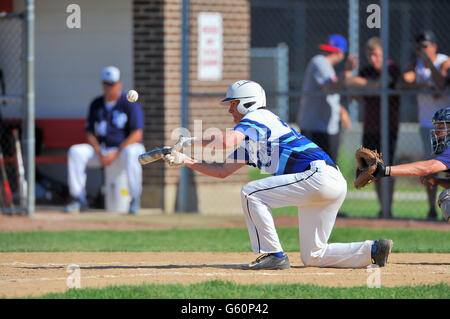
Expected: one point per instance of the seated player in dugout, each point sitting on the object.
(428, 169)
(303, 175)
(114, 133)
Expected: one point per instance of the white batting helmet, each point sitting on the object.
(250, 94)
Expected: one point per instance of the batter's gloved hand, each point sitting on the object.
(175, 158)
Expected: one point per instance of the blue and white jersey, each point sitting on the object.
(273, 146)
(112, 127)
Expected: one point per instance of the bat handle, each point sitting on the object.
(167, 149)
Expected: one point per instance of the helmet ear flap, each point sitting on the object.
(250, 94)
(245, 107)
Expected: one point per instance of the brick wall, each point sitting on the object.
(149, 67)
(158, 77)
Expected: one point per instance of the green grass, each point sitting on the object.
(216, 240)
(354, 207)
(369, 208)
(218, 289)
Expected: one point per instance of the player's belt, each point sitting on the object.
(328, 163)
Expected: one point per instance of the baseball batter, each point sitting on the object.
(303, 175)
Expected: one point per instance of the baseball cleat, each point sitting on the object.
(270, 262)
(135, 205)
(383, 249)
(76, 206)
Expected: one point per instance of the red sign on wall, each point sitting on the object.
(209, 46)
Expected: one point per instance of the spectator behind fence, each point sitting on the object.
(114, 132)
(446, 72)
(429, 70)
(369, 78)
(319, 116)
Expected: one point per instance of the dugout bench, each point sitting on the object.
(53, 137)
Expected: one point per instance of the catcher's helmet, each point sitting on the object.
(440, 134)
(250, 94)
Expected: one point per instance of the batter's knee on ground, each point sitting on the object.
(311, 259)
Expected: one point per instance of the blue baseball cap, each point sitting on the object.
(335, 43)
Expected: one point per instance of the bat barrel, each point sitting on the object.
(153, 155)
(149, 157)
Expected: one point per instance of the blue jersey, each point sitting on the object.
(112, 127)
(444, 157)
(273, 146)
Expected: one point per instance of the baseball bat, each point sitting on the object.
(21, 182)
(6, 188)
(153, 155)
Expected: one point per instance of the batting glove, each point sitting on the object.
(174, 158)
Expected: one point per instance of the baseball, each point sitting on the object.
(132, 96)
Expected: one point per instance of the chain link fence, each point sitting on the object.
(12, 108)
(285, 37)
(301, 26)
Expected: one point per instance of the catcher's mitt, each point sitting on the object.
(367, 162)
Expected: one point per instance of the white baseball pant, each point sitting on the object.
(82, 156)
(318, 193)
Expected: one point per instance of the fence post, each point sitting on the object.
(30, 105)
(283, 80)
(353, 35)
(184, 97)
(385, 183)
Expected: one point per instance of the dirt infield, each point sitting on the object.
(55, 220)
(23, 274)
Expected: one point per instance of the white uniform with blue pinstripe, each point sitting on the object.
(303, 176)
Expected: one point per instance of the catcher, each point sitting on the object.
(371, 166)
